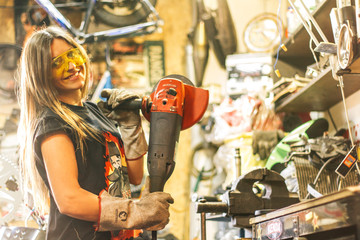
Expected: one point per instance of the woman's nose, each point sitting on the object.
(72, 66)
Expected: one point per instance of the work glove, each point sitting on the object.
(263, 142)
(150, 212)
(129, 121)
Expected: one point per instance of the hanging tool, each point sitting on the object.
(213, 29)
(174, 105)
(199, 42)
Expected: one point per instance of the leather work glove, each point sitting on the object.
(263, 142)
(150, 212)
(129, 121)
(116, 97)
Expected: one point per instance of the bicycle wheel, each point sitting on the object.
(9, 58)
(121, 13)
(10, 190)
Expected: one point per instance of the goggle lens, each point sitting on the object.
(73, 55)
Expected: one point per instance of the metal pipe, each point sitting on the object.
(152, 9)
(212, 207)
(86, 21)
(203, 226)
(237, 163)
(209, 207)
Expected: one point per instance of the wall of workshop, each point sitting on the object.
(241, 15)
(7, 31)
(242, 12)
(177, 18)
(7, 22)
(338, 114)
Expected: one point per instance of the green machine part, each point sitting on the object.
(310, 129)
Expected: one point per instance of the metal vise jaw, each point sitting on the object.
(240, 202)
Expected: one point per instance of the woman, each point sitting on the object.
(67, 145)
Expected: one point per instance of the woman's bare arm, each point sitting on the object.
(136, 170)
(61, 167)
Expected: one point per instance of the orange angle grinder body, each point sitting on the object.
(174, 105)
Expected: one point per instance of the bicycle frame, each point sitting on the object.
(81, 34)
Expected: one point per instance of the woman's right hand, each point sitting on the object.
(150, 212)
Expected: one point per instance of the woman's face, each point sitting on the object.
(68, 67)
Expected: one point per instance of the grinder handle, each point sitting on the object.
(131, 104)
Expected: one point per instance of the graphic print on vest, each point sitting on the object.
(117, 179)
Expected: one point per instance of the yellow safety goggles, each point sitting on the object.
(61, 62)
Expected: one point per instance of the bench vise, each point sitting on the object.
(240, 203)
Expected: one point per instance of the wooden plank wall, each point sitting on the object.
(7, 28)
(177, 22)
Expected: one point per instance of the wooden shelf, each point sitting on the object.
(320, 94)
(298, 50)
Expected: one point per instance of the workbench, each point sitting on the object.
(333, 216)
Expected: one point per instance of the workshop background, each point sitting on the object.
(258, 88)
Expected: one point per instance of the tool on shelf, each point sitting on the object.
(343, 53)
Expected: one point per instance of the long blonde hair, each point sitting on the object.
(36, 92)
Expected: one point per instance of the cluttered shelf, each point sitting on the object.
(320, 94)
(298, 52)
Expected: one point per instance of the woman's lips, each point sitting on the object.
(72, 77)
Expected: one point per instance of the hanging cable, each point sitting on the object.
(341, 85)
(319, 173)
